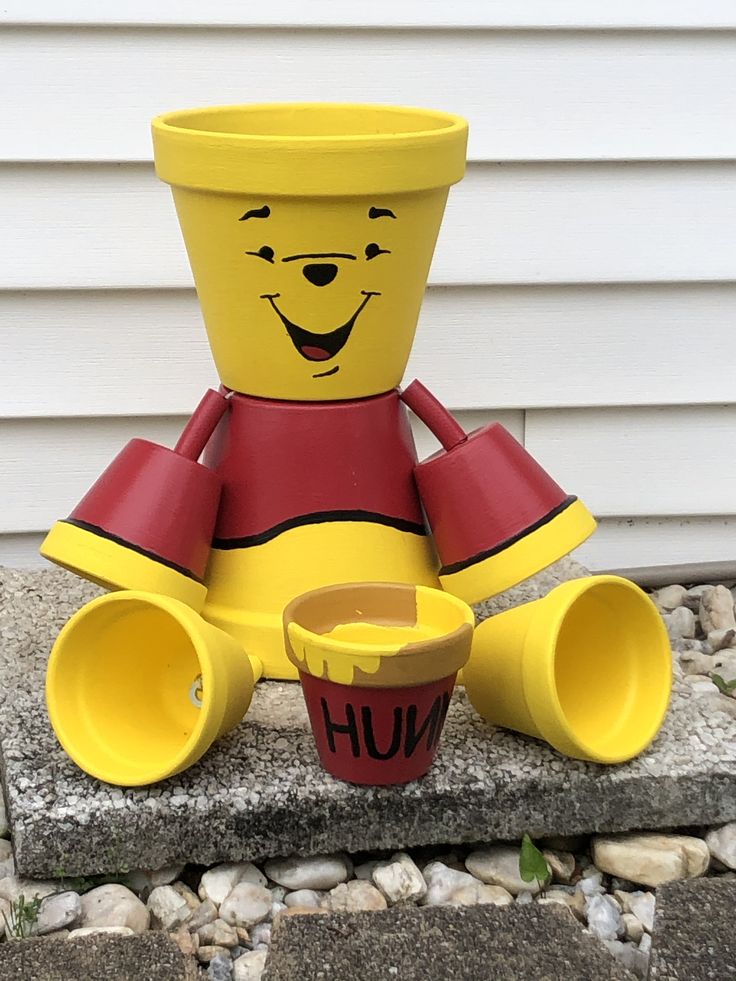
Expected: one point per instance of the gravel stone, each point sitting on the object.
(400, 880)
(208, 952)
(445, 885)
(218, 932)
(305, 897)
(57, 912)
(722, 844)
(652, 859)
(114, 905)
(716, 609)
(217, 883)
(205, 913)
(642, 905)
(246, 905)
(353, 896)
(680, 624)
(498, 865)
(168, 908)
(669, 598)
(633, 927)
(562, 864)
(314, 872)
(250, 966)
(604, 917)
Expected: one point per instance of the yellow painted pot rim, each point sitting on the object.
(417, 662)
(207, 722)
(540, 689)
(204, 148)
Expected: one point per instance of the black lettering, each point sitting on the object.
(441, 720)
(370, 739)
(350, 728)
(429, 726)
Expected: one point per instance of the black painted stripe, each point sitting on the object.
(101, 533)
(318, 518)
(448, 570)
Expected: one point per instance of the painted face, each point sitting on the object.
(310, 298)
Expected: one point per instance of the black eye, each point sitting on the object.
(265, 252)
(372, 250)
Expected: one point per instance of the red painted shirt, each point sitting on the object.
(285, 464)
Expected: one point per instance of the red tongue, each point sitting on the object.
(315, 353)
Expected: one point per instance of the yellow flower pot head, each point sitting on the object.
(310, 230)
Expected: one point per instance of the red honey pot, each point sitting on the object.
(377, 664)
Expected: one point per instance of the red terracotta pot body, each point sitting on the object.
(377, 736)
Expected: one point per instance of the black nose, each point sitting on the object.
(320, 273)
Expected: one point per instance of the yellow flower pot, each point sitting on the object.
(588, 668)
(307, 225)
(139, 686)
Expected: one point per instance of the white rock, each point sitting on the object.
(261, 934)
(716, 609)
(114, 905)
(651, 859)
(399, 879)
(13, 886)
(278, 893)
(313, 872)
(443, 882)
(353, 896)
(696, 663)
(669, 598)
(121, 931)
(645, 944)
(57, 912)
(246, 905)
(498, 865)
(208, 952)
(722, 844)
(524, 898)
(699, 685)
(604, 917)
(219, 933)
(719, 640)
(591, 883)
(642, 905)
(206, 912)
(277, 908)
(249, 967)
(304, 897)
(216, 883)
(562, 864)
(633, 927)
(493, 896)
(680, 623)
(168, 908)
(7, 861)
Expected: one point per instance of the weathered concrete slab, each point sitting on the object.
(480, 943)
(261, 792)
(103, 957)
(694, 937)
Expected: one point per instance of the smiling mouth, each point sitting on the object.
(319, 347)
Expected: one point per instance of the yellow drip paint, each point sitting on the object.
(380, 634)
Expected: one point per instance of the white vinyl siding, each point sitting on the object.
(584, 286)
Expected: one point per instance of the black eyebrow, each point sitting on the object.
(263, 212)
(381, 213)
